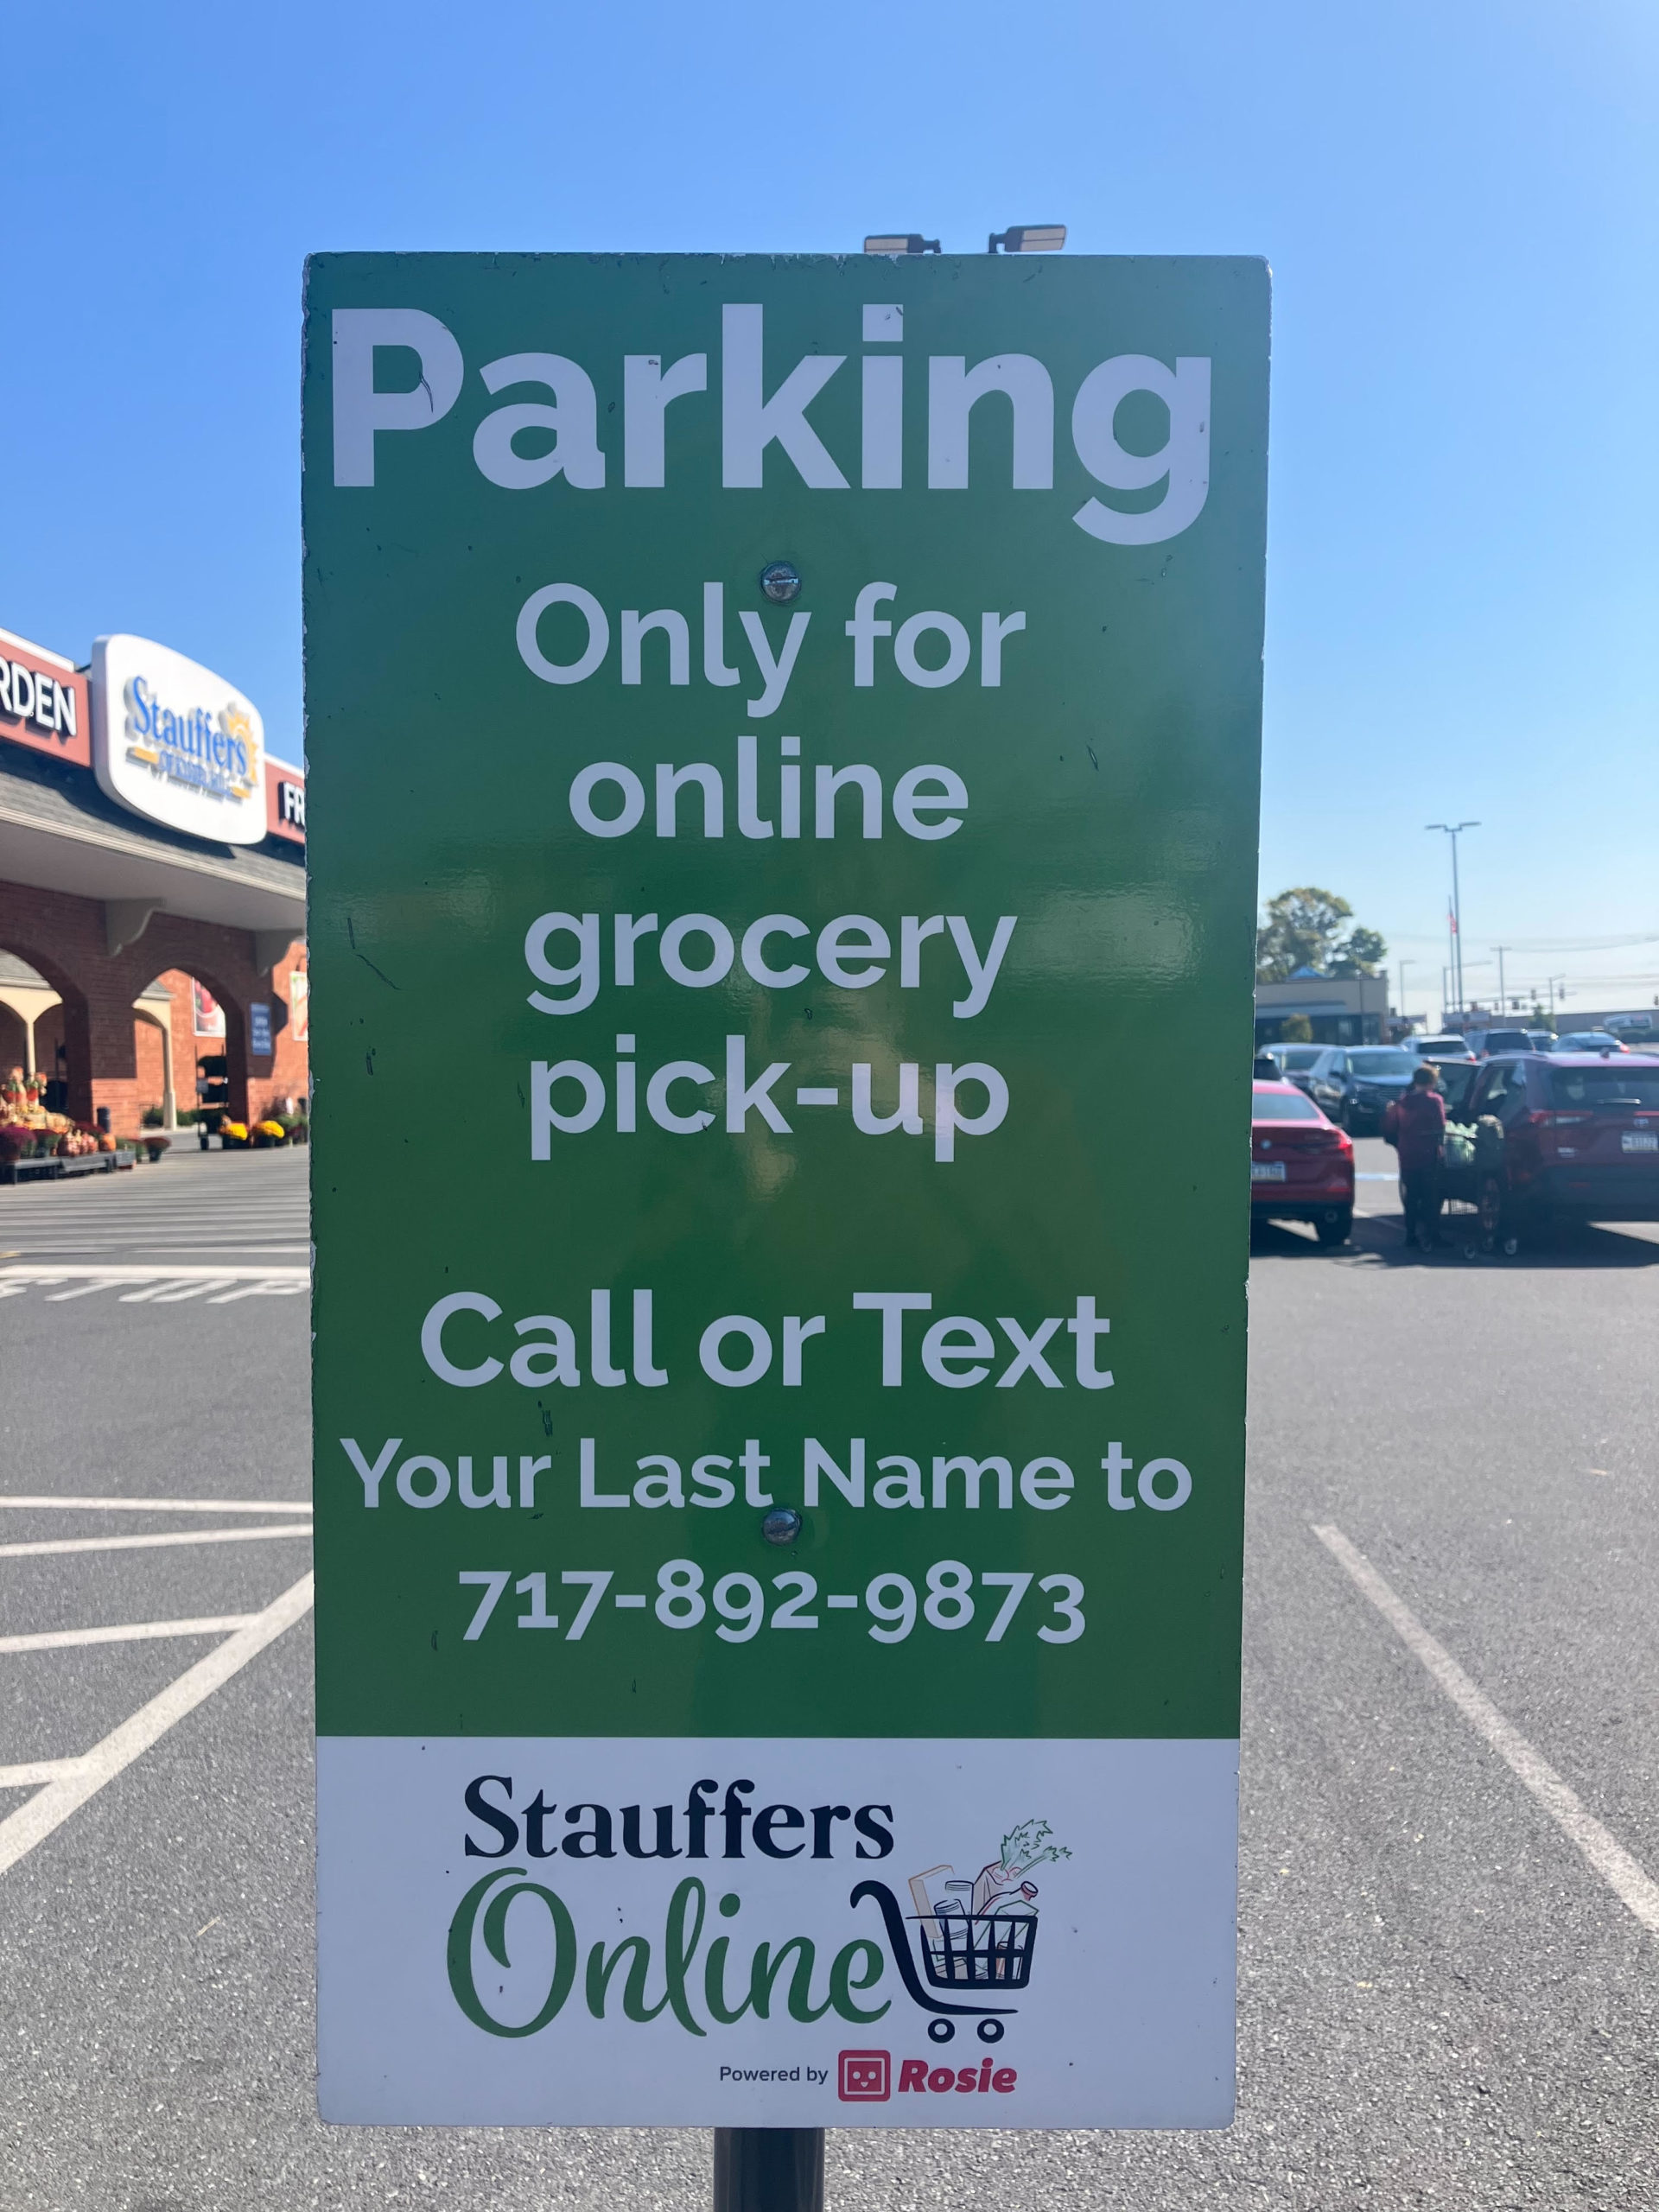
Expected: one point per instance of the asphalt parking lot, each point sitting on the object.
(1448, 1990)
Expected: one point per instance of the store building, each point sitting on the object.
(1338, 1009)
(152, 888)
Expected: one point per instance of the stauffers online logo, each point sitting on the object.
(219, 754)
(752, 421)
(963, 1956)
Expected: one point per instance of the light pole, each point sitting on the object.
(1454, 830)
(1502, 1003)
(1404, 964)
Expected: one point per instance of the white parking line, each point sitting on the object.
(72, 1639)
(33, 1822)
(1628, 1880)
(147, 1543)
(156, 1504)
(212, 1244)
(38, 1772)
(116, 1273)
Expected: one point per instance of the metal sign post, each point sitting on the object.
(784, 738)
(768, 2170)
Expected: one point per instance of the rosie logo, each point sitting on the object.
(864, 2077)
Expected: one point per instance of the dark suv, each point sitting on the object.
(1354, 1084)
(1377, 1075)
(1579, 1139)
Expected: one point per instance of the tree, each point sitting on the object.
(1295, 1029)
(1305, 928)
(1361, 953)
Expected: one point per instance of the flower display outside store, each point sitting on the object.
(28, 1131)
(21, 1095)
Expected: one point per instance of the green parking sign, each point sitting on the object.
(784, 734)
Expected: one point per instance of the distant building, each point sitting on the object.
(152, 888)
(1340, 1009)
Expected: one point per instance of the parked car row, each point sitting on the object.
(1354, 1084)
(1534, 1138)
(1483, 1043)
(1487, 1044)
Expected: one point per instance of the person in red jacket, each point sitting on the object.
(1416, 1126)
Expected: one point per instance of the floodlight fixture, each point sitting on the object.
(900, 242)
(1029, 238)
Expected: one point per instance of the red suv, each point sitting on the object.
(1301, 1165)
(1580, 1139)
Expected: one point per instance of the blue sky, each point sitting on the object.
(1460, 204)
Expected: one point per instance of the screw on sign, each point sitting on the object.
(781, 582)
(780, 1488)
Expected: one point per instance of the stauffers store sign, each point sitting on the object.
(779, 1493)
(175, 742)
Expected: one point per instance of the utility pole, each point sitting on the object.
(1454, 830)
(1404, 964)
(1502, 1003)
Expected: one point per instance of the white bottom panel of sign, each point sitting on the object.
(766, 1933)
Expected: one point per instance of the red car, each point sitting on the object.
(1301, 1165)
(1559, 1136)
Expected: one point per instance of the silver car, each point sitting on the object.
(1319, 1070)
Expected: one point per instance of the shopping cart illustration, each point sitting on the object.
(965, 1953)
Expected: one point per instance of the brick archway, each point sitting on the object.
(231, 992)
(36, 946)
(66, 938)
